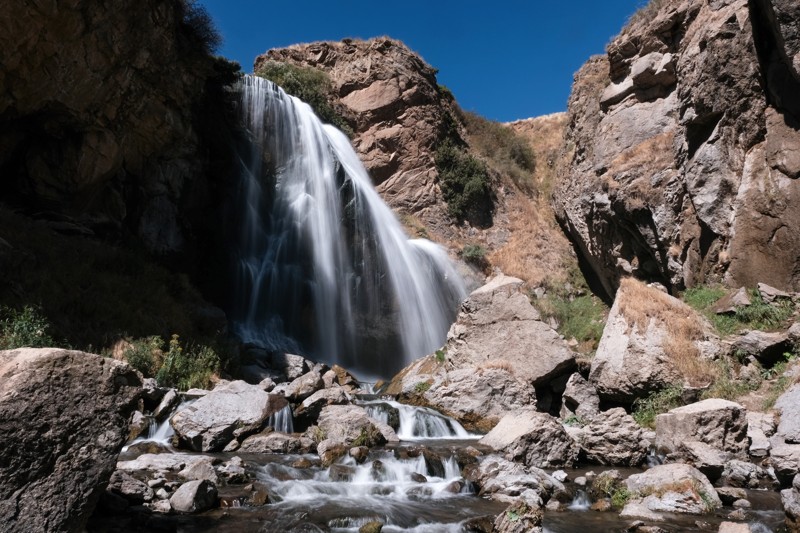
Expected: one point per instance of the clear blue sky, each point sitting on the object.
(502, 59)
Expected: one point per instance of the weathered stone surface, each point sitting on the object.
(667, 181)
(519, 517)
(349, 424)
(674, 488)
(720, 424)
(203, 469)
(747, 475)
(613, 438)
(231, 410)
(133, 490)
(768, 347)
(785, 458)
(162, 462)
(760, 426)
(645, 342)
(580, 398)
(310, 408)
(502, 480)
(728, 495)
(61, 413)
(496, 353)
(194, 497)
(304, 386)
(732, 301)
(533, 438)
(330, 450)
(276, 442)
(734, 527)
(788, 406)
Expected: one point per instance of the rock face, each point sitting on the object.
(391, 97)
(651, 340)
(613, 438)
(63, 420)
(788, 405)
(533, 438)
(497, 353)
(720, 424)
(231, 411)
(674, 488)
(683, 160)
(97, 114)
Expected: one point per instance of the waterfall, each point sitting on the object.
(323, 266)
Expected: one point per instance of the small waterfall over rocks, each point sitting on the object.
(323, 266)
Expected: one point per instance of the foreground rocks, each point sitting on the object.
(534, 439)
(673, 488)
(55, 461)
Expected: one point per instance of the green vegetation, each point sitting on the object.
(782, 380)
(645, 410)
(619, 497)
(183, 368)
(509, 153)
(579, 317)
(309, 84)
(725, 384)
(574, 420)
(24, 328)
(422, 387)
(758, 315)
(475, 254)
(440, 356)
(464, 181)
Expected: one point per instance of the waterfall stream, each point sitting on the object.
(324, 266)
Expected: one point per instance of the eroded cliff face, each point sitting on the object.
(683, 146)
(103, 107)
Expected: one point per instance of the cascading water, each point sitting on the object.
(324, 267)
(417, 422)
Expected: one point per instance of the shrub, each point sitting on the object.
(422, 387)
(464, 181)
(440, 355)
(580, 317)
(25, 328)
(187, 368)
(309, 84)
(145, 355)
(475, 254)
(620, 497)
(645, 410)
(199, 25)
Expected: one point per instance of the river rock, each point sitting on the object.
(613, 438)
(133, 490)
(718, 423)
(502, 480)
(230, 411)
(734, 527)
(43, 444)
(276, 442)
(194, 497)
(791, 505)
(310, 408)
(673, 488)
(728, 495)
(747, 475)
(580, 398)
(519, 517)
(304, 386)
(162, 462)
(784, 458)
(330, 450)
(533, 438)
(349, 424)
(167, 403)
(760, 426)
(650, 341)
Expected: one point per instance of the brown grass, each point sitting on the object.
(500, 364)
(683, 327)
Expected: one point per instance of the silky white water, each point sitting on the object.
(324, 266)
(417, 422)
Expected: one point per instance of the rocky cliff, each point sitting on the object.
(100, 115)
(683, 144)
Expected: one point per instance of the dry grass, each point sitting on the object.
(545, 135)
(683, 327)
(644, 14)
(500, 364)
(656, 153)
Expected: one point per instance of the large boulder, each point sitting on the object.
(788, 405)
(231, 411)
(533, 438)
(613, 438)
(349, 424)
(651, 340)
(791, 505)
(497, 352)
(194, 497)
(502, 480)
(63, 420)
(720, 424)
(580, 399)
(673, 488)
(685, 167)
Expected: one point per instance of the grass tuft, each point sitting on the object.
(646, 409)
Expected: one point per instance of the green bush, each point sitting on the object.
(465, 182)
(580, 317)
(758, 315)
(145, 355)
(645, 410)
(189, 368)
(25, 328)
(474, 254)
(311, 85)
(199, 26)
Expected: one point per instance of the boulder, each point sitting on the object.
(720, 424)
(162, 462)
(230, 411)
(767, 347)
(791, 505)
(167, 403)
(728, 495)
(330, 450)
(310, 407)
(304, 386)
(788, 407)
(732, 301)
(123, 484)
(747, 475)
(784, 458)
(349, 424)
(580, 398)
(194, 497)
(533, 438)
(613, 438)
(651, 340)
(673, 488)
(519, 517)
(502, 480)
(760, 426)
(276, 442)
(61, 413)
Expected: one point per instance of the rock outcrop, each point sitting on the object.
(497, 353)
(683, 144)
(673, 488)
(534, 439)
(63, 420)
(719, 424)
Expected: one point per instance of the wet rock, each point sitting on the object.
(310, 408)
(613, 438)
(479, 524)
(194, 497)
(339, 472)
(233, 471)
(602, 506)
(302, 463)
(260, 495)
(330, 450)
(418, 478)
(502, 480)
(350, 424)
(359, 453)
(371, 527)
(167, 403)
(202, 469)
(536, 439)
(519, 517)
(275, 442)
(720, 424)
(636, 509)
(138, 425)
(673, 488)
(742, 504)
(728, 495)
(43, 443)
(231, 410)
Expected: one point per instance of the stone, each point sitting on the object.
(746, 475)
(785, 458)
(742, 504)
(560, 476)
(359, 453)
(636, 509)
(310, 407)
(760, 426)
(790, 498)
(275, 442)
(61, 412)
(581, 398)
(734, 527)
(613, 438)
(788, 407)
(133, 490)
(162, 462)
(304, 386)
(233, 471)
(329, 450)
(231, 410)
(533, 438)
(202, 469)
(707, 459)
(349, 424)
(720, 424)
(194, 497)
(502, 480)
(771, 294)
(138, 425)
(728, 495)
(166, 405)
(767, 347)
(674, 488)
(161, 506)
(519, 517)
(643, 338)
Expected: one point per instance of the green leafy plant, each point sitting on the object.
(619, 497)
(573, 420)
(422, 387)
(646, 409)
(311, 85)
(145, 355)
(475, 254)
(440, 355)
(189, 368)
(24, 328)
(758, 315)
(513, 516)
(464, 181)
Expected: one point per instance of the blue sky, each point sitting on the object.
(502, 59)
